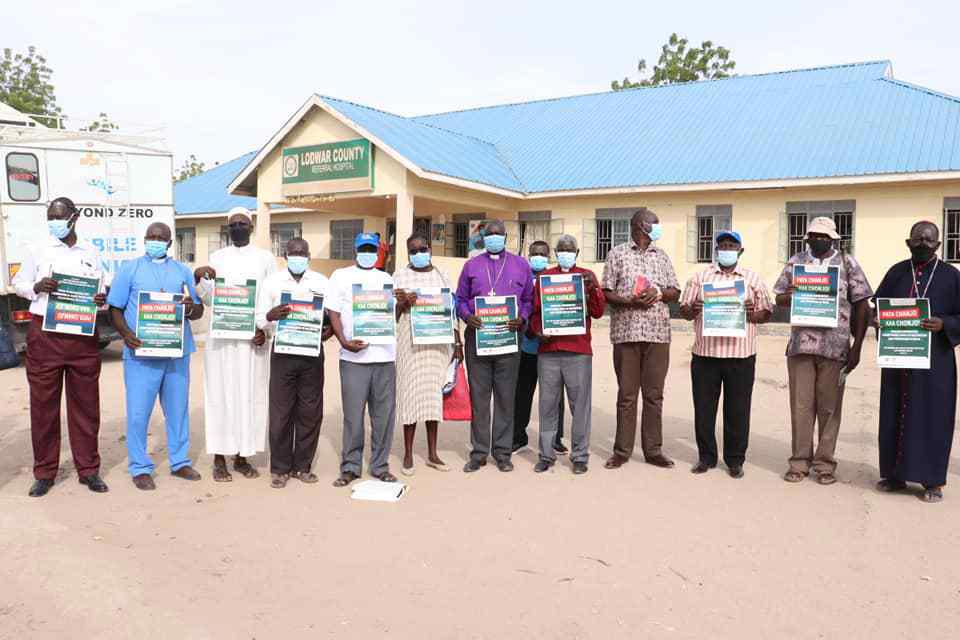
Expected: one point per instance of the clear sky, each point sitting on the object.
(222, 77)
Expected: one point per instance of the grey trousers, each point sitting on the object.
(373, 386)
(573, 372)
(488, 376)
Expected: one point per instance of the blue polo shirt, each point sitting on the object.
(146, 274)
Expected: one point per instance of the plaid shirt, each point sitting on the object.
(625, 263)
(726, 346)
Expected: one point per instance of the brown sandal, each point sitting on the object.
(279, 480)
(386, 476)
(826, 478)
(305, 476)
(220, 474)
(345, 478)
(793, 476)
(244, 468)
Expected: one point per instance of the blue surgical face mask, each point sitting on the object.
(538, 263)
(59, 229)
(727, 258)
(494, 243)
(155, 248)
(566, 259)
(366, 260)
(420, 260)
(656, 231)
(297, 264)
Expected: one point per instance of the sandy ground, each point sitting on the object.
(639, 552)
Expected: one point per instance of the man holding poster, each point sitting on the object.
(160, 289)
(726, 303)
(918, 405)
(820, 354)
(294, 296)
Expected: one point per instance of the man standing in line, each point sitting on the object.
(724, 362)
(296, 381)
(235, 372)
(539, 258)
(495, 272)
(638, 282)
(145, 378)
(565, 363)
(55, 357)
(819, 358)
(368, 374)
(918, 406)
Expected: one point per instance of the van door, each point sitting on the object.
(23, 195)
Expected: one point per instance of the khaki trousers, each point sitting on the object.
(641, 369)
(815, 396)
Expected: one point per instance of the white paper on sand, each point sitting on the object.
(378, 491)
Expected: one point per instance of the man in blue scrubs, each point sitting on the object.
(147, 377)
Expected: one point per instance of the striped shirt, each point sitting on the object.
(725, 347)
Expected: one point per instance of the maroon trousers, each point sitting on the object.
(51, 357)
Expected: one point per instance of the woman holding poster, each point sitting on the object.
(422, 368)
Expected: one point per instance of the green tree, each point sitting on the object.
(25, 85)
(190, 167)
(678, 63)
(102, 124)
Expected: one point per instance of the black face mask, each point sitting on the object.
(240, 235)
(921, 253)
(819, 246)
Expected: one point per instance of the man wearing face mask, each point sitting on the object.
(539, 258)
(368, 373)
(496, 272)
(819, 358)
(638, 282)
(53, 358)
(235, 372)
(918, 406)
(565, 363)
(296, 381)
(723, 362)
(146, 378)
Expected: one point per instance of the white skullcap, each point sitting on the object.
(240, 211)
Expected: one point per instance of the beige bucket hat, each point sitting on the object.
(823, 225)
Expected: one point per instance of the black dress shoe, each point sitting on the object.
(474, 465)
(560, 448)
(187, 473)
(542, 465)
(40, 488)
(505, 466)
(579, 467)
(735, 471)
(661, 461)
(519, 446)
(95, 483)
(702, 467)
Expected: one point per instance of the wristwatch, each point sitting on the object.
(659, 293)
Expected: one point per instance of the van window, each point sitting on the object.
(23, 177)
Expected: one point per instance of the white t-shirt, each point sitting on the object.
(277, 283)
(340, 299)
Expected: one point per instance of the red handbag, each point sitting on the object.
(456, 403)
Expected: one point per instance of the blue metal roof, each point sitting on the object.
(847, 120)
(207, 192)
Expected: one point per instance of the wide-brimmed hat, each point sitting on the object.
(823, 225)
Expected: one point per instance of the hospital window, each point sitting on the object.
(613, 228)
(951, 240)
(710, 220)
(23, 177)
(282, 233)
(187, 245)
(461, 238)
(799, 215)
(342, 235)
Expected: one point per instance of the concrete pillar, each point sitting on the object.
(404, 217)
(261, 229)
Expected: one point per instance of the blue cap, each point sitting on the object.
(733, 235)
(365, 238)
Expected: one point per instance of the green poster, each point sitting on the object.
(902, 343)
(431, 316)
(563, 305)
(815, 299)
(234, 309)
(300, 332)
(71, 309)
(160, 324)
(373, 315)
(494, 337)
(724, 314)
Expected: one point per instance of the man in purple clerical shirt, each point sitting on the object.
(496, 272)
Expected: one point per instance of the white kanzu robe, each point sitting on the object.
(236, 374)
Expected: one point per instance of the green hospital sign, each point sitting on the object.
(328, 168)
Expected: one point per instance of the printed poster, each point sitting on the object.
(724, 313)
(374, 321)
(160, 324)
(563, 305)
(494, 338)
(300, 333)
(71, 309)
(431, 316)
(902, 343)
(234, 309)
(815, 300)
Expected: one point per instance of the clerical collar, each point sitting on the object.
(494, 256)
(158, 260)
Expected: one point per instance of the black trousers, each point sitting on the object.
(523, 400)
(735, 377)
(296, 411)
